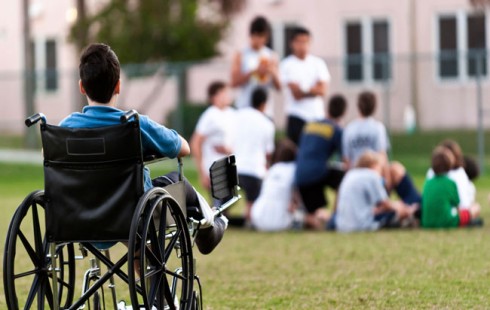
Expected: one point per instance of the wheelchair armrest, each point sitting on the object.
(151, 158)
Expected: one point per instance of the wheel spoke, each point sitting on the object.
(35, 258)
(26, 274)
(175, 275)
(49, 292)
(38, 242)
(155, 244)
(171, 245)
(162, 227)
(32, 292)
(168, 293)
(156, 281)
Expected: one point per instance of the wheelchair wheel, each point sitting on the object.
(27, 266)
(160, 262)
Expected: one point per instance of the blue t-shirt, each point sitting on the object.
(156, 139)
(319, 141)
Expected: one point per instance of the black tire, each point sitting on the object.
(166, 278)
(29, 286)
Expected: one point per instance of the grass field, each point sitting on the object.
(409, 269)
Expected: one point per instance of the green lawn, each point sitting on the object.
(306, 270)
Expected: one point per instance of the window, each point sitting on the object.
(367, 50)
(476, 44)
(381, 53)
(51, 72)
(462, 46)
(354, 52)
(280, 38)
(448, 47)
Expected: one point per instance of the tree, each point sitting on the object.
(480, 4)
(155, 30)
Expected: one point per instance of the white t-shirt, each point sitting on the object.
(466, 188)
(270, 210)
(217, 126)
(250, 60)
(254, 139)
(361, 135)
(305, 72)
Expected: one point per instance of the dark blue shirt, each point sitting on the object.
(319, 141)
(156, 139)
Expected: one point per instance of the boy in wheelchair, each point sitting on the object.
(99, 71)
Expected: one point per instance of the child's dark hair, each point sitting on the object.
(366, 103)
(214, 88)
(442, 160)
(260, 26)
(285, 151)
(471, 167)
(337, 106)
(454, 147)
(299, 31)
(259, 97)
(99, 71)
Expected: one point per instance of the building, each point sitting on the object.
(422, 55)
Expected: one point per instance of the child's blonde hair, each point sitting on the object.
(369, 159)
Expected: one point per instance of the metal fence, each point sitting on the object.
(425, 91)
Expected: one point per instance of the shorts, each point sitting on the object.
(294, 128)
(250, 185)
(313, 195)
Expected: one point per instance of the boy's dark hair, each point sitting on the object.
(337, 106)
(99, 71)
(442, 160)
(454, 147)
(259, 97)
(471, 167)
(214, 88)
(298, 31)
(366, 103)
(285, 151)
(260, 26)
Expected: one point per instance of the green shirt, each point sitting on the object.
(439, 203)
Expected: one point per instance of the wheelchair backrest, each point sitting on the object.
(93, 179)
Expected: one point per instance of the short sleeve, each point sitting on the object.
(383, 141)
(159, 139)
(376, 190)
(454, 196)
(323, 72)
(270, 141)
(205, 125)
(345, 144)
(284, 71)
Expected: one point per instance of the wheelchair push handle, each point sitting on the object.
(31, 120)
(129, 115)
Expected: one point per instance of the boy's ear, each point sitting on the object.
(80, 86)
(117, 89)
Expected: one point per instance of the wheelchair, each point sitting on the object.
(93, 193)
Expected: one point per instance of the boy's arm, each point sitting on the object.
(237, 77)
(184, 147)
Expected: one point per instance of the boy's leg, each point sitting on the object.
(315, 201)
(294, 128)
(198, 208)
(251, 186)
(403, 185)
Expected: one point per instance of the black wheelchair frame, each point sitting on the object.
(157, 228)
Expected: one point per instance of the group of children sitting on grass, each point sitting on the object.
(363, 193)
